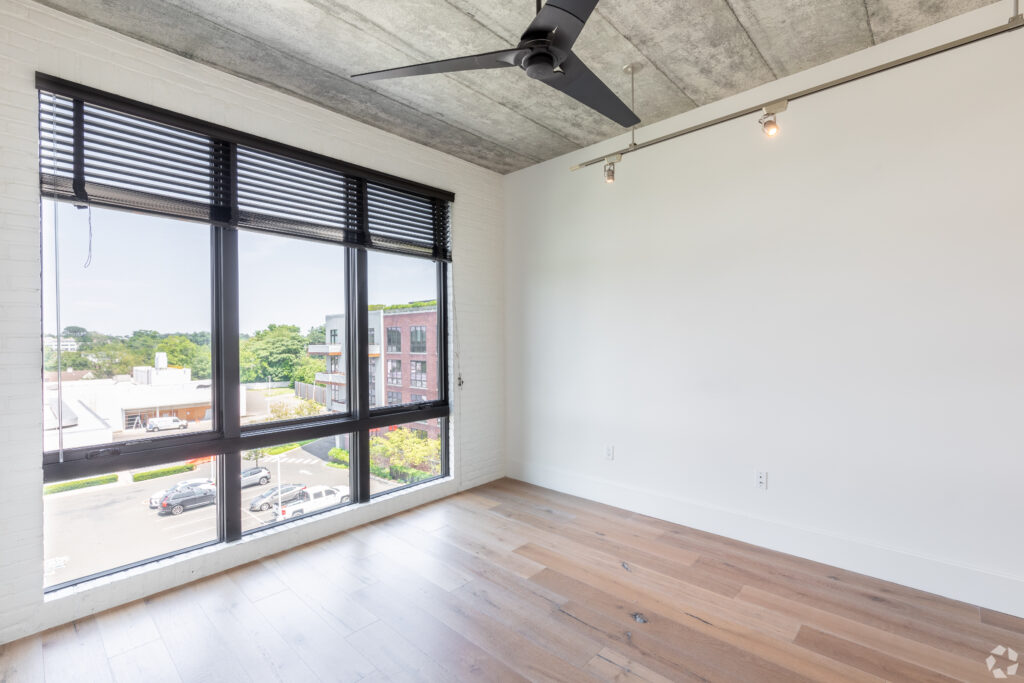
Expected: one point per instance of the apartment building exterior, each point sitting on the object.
(403, 357)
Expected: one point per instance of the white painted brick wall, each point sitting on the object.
(34, 38)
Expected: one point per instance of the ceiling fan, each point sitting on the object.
(544, 53)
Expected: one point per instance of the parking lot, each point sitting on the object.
(95, 529)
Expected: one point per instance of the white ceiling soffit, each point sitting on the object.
(694, 51)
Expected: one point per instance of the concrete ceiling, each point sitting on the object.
(694, 52)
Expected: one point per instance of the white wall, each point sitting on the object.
(840, 306)
(36, 38)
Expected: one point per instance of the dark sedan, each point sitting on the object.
(178, 500)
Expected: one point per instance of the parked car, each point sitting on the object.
(179, 500)
(154, 500)
(254, 476)
(309, 500)
(267, 500)
(156, 424)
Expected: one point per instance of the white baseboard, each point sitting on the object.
(958, 581)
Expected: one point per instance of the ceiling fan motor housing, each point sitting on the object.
(540, 65)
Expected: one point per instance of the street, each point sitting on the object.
(94, 529)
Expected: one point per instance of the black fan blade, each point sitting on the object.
(487, 60)
(562, 20)
(580, 83)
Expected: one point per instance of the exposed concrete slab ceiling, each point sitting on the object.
(694, 51)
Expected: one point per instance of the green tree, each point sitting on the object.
(182, 352)
(306, 368)
(254, 454)
(270, 355)
(69, 360)
(404, 448)
(317, 335)
(75, 332)
(198, 338)
(114, 358)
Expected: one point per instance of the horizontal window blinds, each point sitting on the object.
(282, 195)
(400, 221)
(92, 153)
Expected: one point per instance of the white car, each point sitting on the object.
(310, 500)
(156, 424)
(154, 500)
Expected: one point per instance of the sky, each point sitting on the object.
(149, 272)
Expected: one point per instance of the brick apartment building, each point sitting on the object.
(403, 358)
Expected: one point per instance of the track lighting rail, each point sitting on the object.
(1015, 22)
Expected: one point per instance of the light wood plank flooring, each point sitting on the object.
(513, 582)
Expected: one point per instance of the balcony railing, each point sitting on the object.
(325, 349)
(331, 377)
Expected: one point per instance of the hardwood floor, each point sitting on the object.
(513, 582)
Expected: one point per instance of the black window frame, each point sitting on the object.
(372, 191)
(394, 341)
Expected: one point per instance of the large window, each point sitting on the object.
(295, 479)
(394, 340)
(126, 325)
(418, 339)
(207, 368)
(287, 361)
(395, 373)
(418, 374)
(92, 524)
(401, 455)
(403, 299)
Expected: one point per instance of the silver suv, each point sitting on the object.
(255, 476)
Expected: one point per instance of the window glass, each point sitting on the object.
(126, 326)
(418, 376)
(394, 340)
(418, 339)
(373, 382)
(131, 313)
(95, 524)
(402, 292)
(291, 480)
(292, 346)
(395, 372)
(404, 454)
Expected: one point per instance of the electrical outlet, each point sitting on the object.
(762, 481)
(609, 453)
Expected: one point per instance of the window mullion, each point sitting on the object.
(225, 331)
(360, 361)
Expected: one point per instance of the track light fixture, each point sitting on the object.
(609, 167)
(769, 125)
(767, 121)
